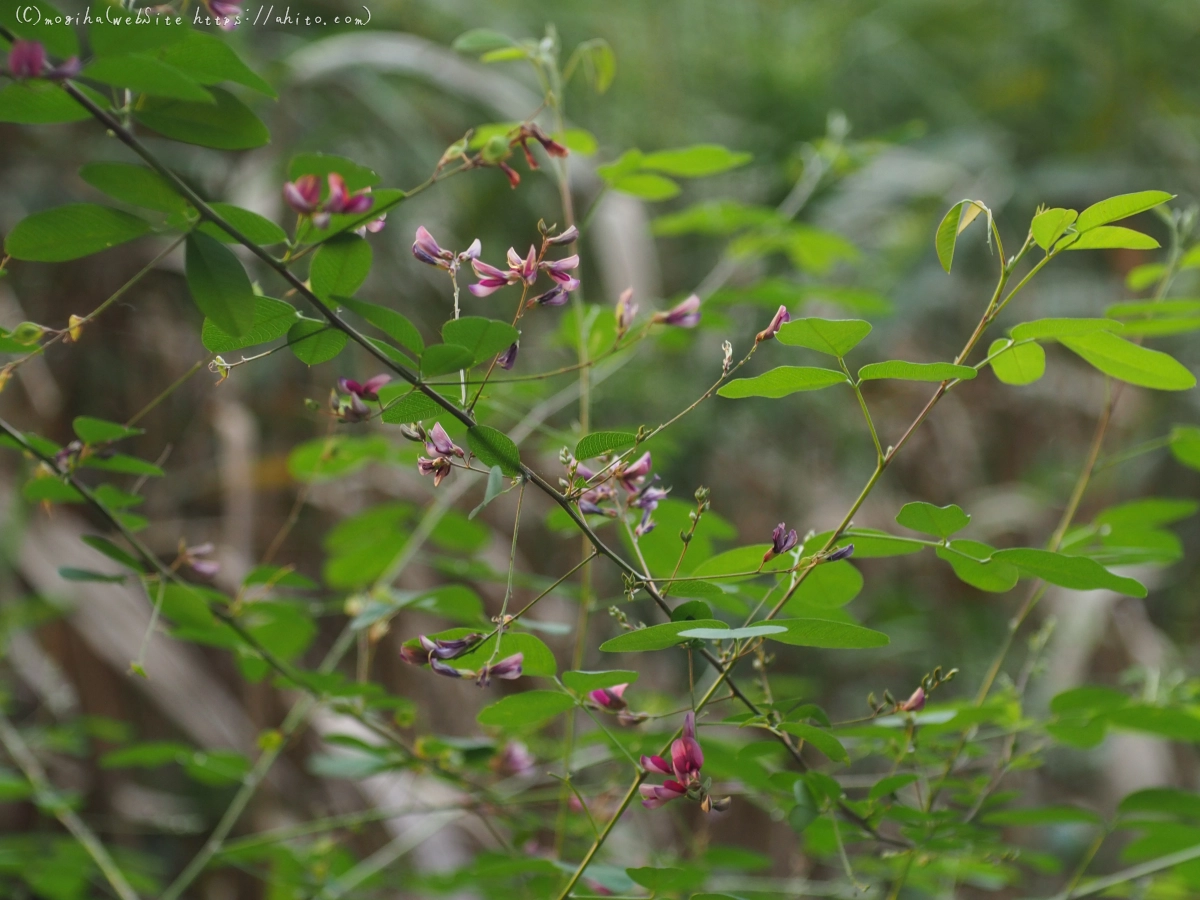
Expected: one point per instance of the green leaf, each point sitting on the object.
(51, 490)
(99, 431)
(1131, 362)
(1175, 724)
(697, 161)
(481, 40)
(1043, 815)
(1088, 699)
(599, 64)
(412, 407)
(1165, 801)
(495, 487)
(41, 22)
(1075, 572)
(972, 562)
(219, 285)
(314, 342)
(256, 228)
(69, 573)
(115, 29)
(885, 787)
(1019, 364)
(1185, 445)
(227, 124)
(1109, 237)
(828, 634)
(837, 337)
(870, 543)
(69, 232)
(828, 586)
(646, 185)
(940, 521)
(340, 266)
(1161, 327)
(731, 634)
(442, 359)
(126, 465)
(910, 371)
(1120, 207)
(209, 60)
(494, 448)
(822, 740)
(43, 103)
(147, 755)
(782, 381)
(583, 682)
(146, 75)
(272, 319)
(1053, 329)
(485, 338)
(390, 322)
(740, 561)
(954, 223)
(112, 551)
(188, 606)
(600, 442)
(528, 710)
(1048, 226)
(656, 637)
(135, 185)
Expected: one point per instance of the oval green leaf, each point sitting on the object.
(910, 371)
(781, 381)
(219, 285)
(527, 710)
(69, 232)
(494, 448)
(1130, 362)
(836, 337)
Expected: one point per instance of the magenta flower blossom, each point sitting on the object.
(447, 670)
(373, 227)
(777, 321)
(915, 703)
(559, 269)
(342, 201)
(685, 314)
(304, 194)
(633, 474)
(445, 648)
(439, 467)
(524, 270)
(440, 448)
(782, 540)
(611, 698)
(514, 759)
(27, 59)
(841, 553)
(647, 501)
(509, 669)
(686, 760)
(627, 311)
(508, 358)
(348, 409)
(228, 12)
(368, 390)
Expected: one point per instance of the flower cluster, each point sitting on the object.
(525, 270)
(304, 196)
(428, 251)
(347, 401)
(639, 492)
(686, 761)
(441, 451)
(27, 59)
(438, 653)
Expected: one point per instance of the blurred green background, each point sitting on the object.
(1016, 104)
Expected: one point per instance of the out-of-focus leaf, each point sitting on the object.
(227, 124)
(135, 185)
(72, 231)
(940, 521)
(528, 710)
(144, 74)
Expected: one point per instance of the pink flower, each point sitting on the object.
(509, 668)
(655, 795)
(368, 390)
(515, 759)
(915, 703)
(610, 698)
(633, 474)
(686, 761)
(782, 541)
(440, 448)
(304, 194)
(342, 201)
(428, 251)
(373, 227)
(781, 316)
(228, 12)
(439, 467)
(508, 358)
(567, 237)
(193, 558)
(685, 314)
(26, 59)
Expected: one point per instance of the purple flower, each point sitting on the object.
(524, 269)
(348, 409)
(342, 201)
(228, 12)
(558, 269)
(449, 671)
(647, 501)
(439, 443)
(439, 467)
(373, 227)
(841, 553)
(685, 314)
(781, 316)
(627, 311)
(450, 649)
(567, 237)
(655, 795)
(26, 59)
(915, 703)
(304, 194)
(368, 390)
(556, 296)
(633, 474)
(414, 656)
(508, 668)
(490, 278)
(782, 540)
(508, 358)
(194, 558)
(610, 698)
